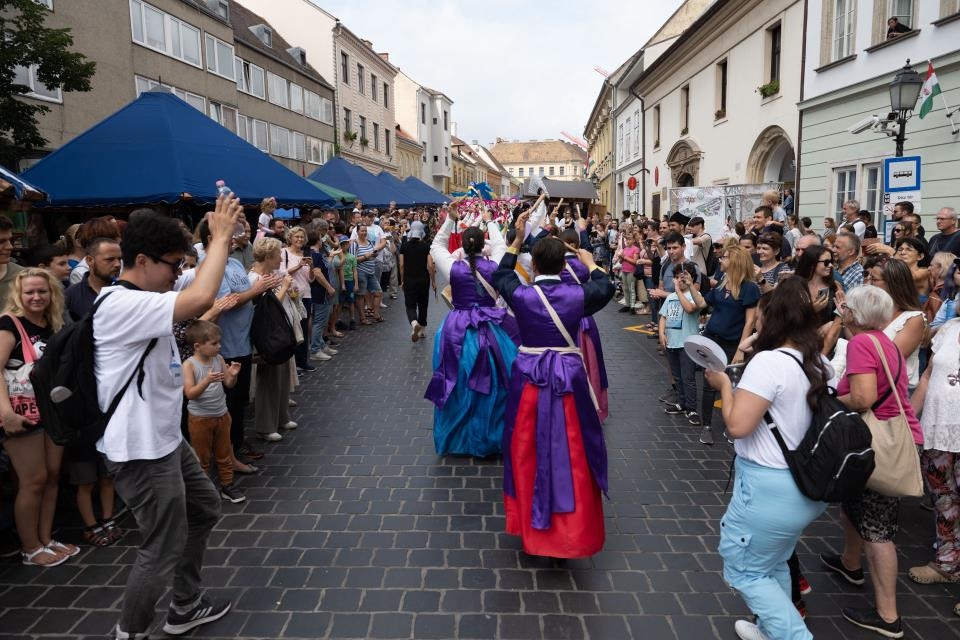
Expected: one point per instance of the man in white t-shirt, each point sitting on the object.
(851, 215)
(155, 472)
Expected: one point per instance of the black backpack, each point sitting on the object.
(834, 459)
(65, 385)
(271, 332)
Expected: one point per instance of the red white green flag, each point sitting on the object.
(931, 88)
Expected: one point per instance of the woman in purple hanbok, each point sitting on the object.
(555, 460)
(475, 346)
(588, 337)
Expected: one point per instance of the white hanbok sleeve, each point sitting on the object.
(498, 246)
(440, 252)
(536, 220)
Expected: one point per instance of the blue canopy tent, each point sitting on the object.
(424, 193)
(159, 149)
(404, 197)
(16, 188)
(343, 175)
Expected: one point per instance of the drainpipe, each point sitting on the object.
(643, 146)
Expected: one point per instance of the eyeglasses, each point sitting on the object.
(176, 266)
(898, 229)
(825, 262)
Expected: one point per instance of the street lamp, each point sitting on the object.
(904, 91)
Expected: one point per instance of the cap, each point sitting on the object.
(343, 239)
(417, 230)
(679, 218)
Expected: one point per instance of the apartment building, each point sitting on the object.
(547, 158)
(213, 54)
(427, 112)
(409, 154)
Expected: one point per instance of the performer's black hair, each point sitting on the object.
(548, 256)
(472, 246)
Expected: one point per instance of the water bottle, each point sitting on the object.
(223, 190)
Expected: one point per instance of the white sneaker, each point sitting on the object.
(320, 355)
(748, 631)
(289, 426)
(330, 351)
(414, 330)
(383, 306)
(270, 437)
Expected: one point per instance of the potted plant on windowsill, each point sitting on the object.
(364, 142)
(350, 136)
(769, 89)
(720, 114)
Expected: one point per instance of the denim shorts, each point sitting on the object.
(346, 294)
(368, 283)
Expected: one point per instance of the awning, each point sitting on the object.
(15, 187)
(424, 193)
(345, 176)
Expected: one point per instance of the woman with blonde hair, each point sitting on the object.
(34, 312)
(296, 262)
(75, 251)
(734, 301)
(267, 207)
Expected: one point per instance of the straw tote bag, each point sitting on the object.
(897, 473)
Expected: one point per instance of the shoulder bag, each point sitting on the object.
(897, 473)
(19, 387)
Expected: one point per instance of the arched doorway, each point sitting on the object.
(684, 163)
(772, 158)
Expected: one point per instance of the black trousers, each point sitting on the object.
(416, 296)
(237, 398)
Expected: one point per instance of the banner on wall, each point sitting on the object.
(719, 204)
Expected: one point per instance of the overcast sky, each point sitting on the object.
(517, 70)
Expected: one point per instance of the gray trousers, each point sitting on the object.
(176, 506)
(272, 397)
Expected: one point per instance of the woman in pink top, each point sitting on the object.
(628, 265)
(871, 521)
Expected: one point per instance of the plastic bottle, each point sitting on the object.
(223, 190)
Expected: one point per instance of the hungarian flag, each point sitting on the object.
(931, 88)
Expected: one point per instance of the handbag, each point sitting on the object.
(19, 387)
(897, 473)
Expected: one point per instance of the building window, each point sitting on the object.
(279, 91)
(253, 131)
(220, 57)
(347, 120)
(774, 40)
(299, 143)
(685, 110)
(198, 102)
(721, 90)
(326, 110)
(344, 67)
(561, 170)
(627, 140)
(27, 76)
(376, 137)
(551, 170)
(312, 105)
(386, 96)
(386, 141)
(520, 172)
(296, 98)
(224, 116)
(541, 171)
(250, 78)
(619, 144)
(656, 127)
(314, 150)
(845, 182)
(280, 141)
(360, 80)
(949, 7)
(162, 32)
(844, 28)
(902, 10)
(373, 87)
(872, 189)
(445, 124)
(636, 132)
(363, 127)
(423, 113)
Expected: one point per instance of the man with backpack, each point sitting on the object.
(136, 359)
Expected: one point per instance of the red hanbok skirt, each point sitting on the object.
(571, 535)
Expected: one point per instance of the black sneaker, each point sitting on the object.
(693, 418)
(673, 410)
(205, 611)
(231, 493)
(706, 435)
(625, 310)
(868, 618)
(834, 562)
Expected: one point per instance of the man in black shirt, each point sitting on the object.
(416, 267)
(948, 238)
(103, 258)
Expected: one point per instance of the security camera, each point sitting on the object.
(865, 124)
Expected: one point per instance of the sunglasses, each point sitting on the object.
(898, 229)
(176, 266)
(824, 261)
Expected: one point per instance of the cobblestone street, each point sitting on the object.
(356, 529)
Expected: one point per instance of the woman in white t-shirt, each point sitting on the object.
(767, 512)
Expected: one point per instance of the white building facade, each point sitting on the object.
(428, 113)
(849, 66)
(627, 114)
(720, 100)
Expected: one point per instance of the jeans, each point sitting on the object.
(709, 393)
(684, 373)
(629, 289)
(321, 314)
(176, 506)
(758, 533)
(416, 297)
(238, 396)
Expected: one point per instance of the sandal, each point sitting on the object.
(68, 550)
(43, 557)
(248, 471)
(115, 532)
(931, 574)
(97, 536)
